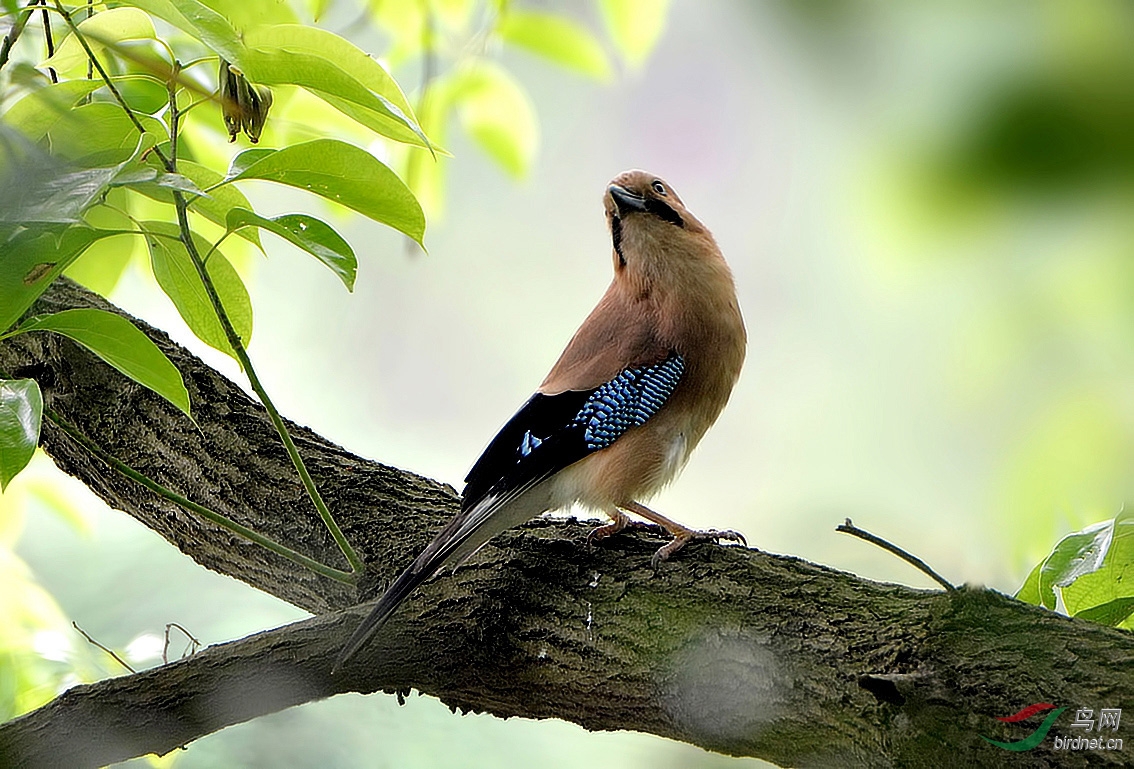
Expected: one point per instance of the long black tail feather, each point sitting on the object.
(397, 592)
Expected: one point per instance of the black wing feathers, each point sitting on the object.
(538, 441)
(552, 432)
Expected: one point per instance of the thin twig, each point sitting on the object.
(174, 115)
(50, 42)
(108, 650)
(90, 67)
(201, 510)
(849, 528)
(190, 650)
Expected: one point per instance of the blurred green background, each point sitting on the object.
(926, 207)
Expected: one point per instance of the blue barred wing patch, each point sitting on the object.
(551, 432)
(628, 401)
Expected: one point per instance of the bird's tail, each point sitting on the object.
(457, 542)
(397, 592)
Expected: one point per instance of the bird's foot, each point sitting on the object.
(618, 523)
(684, 536)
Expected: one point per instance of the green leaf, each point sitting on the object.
(1111, 613)
(1074, 555)
(104, 29)
(635, 26)
(36, 188)
(200, 21)
(339, 172)
(312, 235)
(21, 412)
(248, 14)
(100, 134)
(320, 60)
(144, 93)
(100, 266)
(1113, 579)
(32, 259)
(557, 39)
(178, 278)
(245, 159)
(34, 114)
(59, 197)
(213, 205)
(1030, 591)
(497, 113)
(118, 342)
(1093, 570)
(180, 182)
(394, 117)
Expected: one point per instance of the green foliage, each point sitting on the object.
(558, 39)
(634, 25)
(335, 70)
(341, 173)
(109, 29)
(33, 258)
(497, 113)
(21, 411)
(312, 235)
(492, 106)
(178, 277)
(117, 341)
(1090, 570)
(214, 205)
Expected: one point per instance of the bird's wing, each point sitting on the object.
(548, 434)
(552, 432)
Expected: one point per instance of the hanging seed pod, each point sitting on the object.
(229, 99)
(256, 113)
(244, 106)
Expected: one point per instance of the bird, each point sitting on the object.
(632, 394)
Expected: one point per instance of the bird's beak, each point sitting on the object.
(625, 200)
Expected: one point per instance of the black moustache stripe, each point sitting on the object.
(616, 236)
(662, 210)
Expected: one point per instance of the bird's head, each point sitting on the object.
(648, 221)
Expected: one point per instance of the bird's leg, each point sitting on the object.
(682, 535)
(619, 521)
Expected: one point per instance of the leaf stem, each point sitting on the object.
(201, 510)
(241, 352)
(849, 528)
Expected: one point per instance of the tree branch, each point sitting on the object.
(731, 649)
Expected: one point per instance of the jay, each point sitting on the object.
(630, 397)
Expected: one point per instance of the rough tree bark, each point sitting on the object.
(735, 650)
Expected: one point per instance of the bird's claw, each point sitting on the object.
(600, 533)
(704, 535)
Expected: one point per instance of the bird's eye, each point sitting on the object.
(659, 188)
